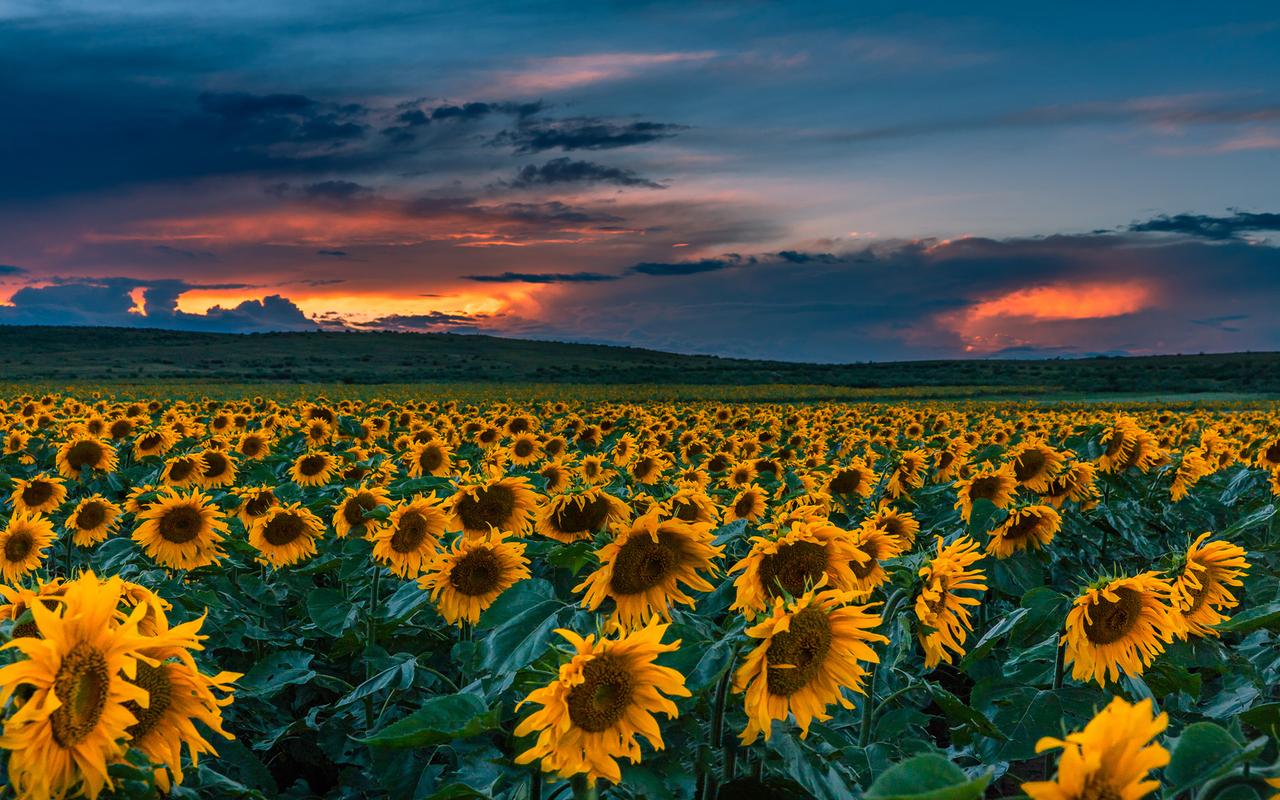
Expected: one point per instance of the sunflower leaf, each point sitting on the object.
(927, 777)
(1203, 751)
(439, 720)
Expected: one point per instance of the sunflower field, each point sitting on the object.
(428, 596)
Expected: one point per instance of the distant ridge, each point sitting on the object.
(47, 353)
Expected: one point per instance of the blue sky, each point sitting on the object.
(811, 181)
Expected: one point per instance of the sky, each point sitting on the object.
(822, 182)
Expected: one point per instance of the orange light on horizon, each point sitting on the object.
(1066, 301)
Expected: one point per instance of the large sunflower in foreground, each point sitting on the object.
(507, 504)
(73, 715)
(41, 494)
(643, 568)
(573, 517)
(22, 545)
(602, 701)
(179, 695)
(85, 452)
(92, 520)
(794, 563)
(349, 516)
(467, 577)
(182, 531)
(1202, 589)
(809, 652)
(286, 534)
(1111, 758)
(408, 540)
(942, 612)
(1119, 626)
(1029, 527)
(996, 485)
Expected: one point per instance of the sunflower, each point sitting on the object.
(218, 469)
(182, 471)
(16, 442)
(901, 525)
(555, 477)
(748, 504)
(1029, 527)
(1201, 590)
(855, 479)
(877, 545)
(793, 563)
(1269, 454)
(1193, 466)
(507, 504)
(643, 568)
(1076, 483)
(525, 449)
(1111, 758)
(996, 485)
(907, 474)
(942, 612)
(255, 501)
(432, 457)
(809, 653)
(22, 545)
(254, 445)
(182, 531)
(647, 468)
(741, 474)
(467, 577)
(41, 494)
(178, 696)
(286, 534)
(153, 442)
(603, 699)
(314, 468)
(573, 517)
(1035, 464)
(349, 516)
(74, 717)
(85, 452)
(409, 538)
(1118, 625)
(691, 505)
(92, 520)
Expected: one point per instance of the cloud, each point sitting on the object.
(10, 269)
(543, 277)
(584, 133)
(565, 170)
(435, 321)
(567, 72)
(1210, 227)
(332, 253)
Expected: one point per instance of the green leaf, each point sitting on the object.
(927, 777)
(1046, 612)
(402, 674)
(1249, 520)
(989, 639)
(522, 638)
(276, 671)
(440, 720)
(968, 717)
(1024, 720)
(516, 599)
(329, 610)
(1267, 616)
(1203, 751)
(1265, 718)
(406, 599)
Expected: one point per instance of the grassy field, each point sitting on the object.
(123, 355)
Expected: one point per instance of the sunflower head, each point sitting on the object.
(1202, 588)
(1029, 527)
(469, 576)
(286, 534)
(1119, 625)
(181, 531)
(809, 555)
(574, 517)
(41, 494)
(941, 608)
(92, 520)
(22, 545)
(1112, 757)
(408, 540)
(85, 453)
(505, 503)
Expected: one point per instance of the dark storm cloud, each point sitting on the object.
(436, 321)
(543, 277)
(335, 190)
(10, 269)
(678, 268)
(110, 302)
(584, 133)
(568, 171)
(332, 253)
(1210, 227)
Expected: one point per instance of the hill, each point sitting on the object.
(132, 354)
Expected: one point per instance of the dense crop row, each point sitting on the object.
(437, 599)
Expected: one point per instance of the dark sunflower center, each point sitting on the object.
(1098, 788)
(846, 481)
(685, 511)
(38, 493)
(601, 700)
(283, 529)
(476, 573)
(745, 506)
(82, 686)
(251, 446)
(121, 429)
(215, 464)
(1201, 594)
(84, 454)
(353, 510)
(181, 469)
(794, 568)
(1273, 453)
(523, 448)
(642, 563)
(150, 441)
(91, 515)
(430, 459)
(18, 546)
(587, 518)
(260, 504)
(866, 568)
(490, 505)
(312, 465)
(181, 524)
(410, 533)
(155, 680)
(984, 489)
(1110, 622)
(795, 656)
(1029, 464)
(1026, 525)
(892, 526)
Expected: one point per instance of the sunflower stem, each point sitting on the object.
(584, 788)
(371, 632)
(869, 708)
(69, 554)
(1059, 664)
(718, 737)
